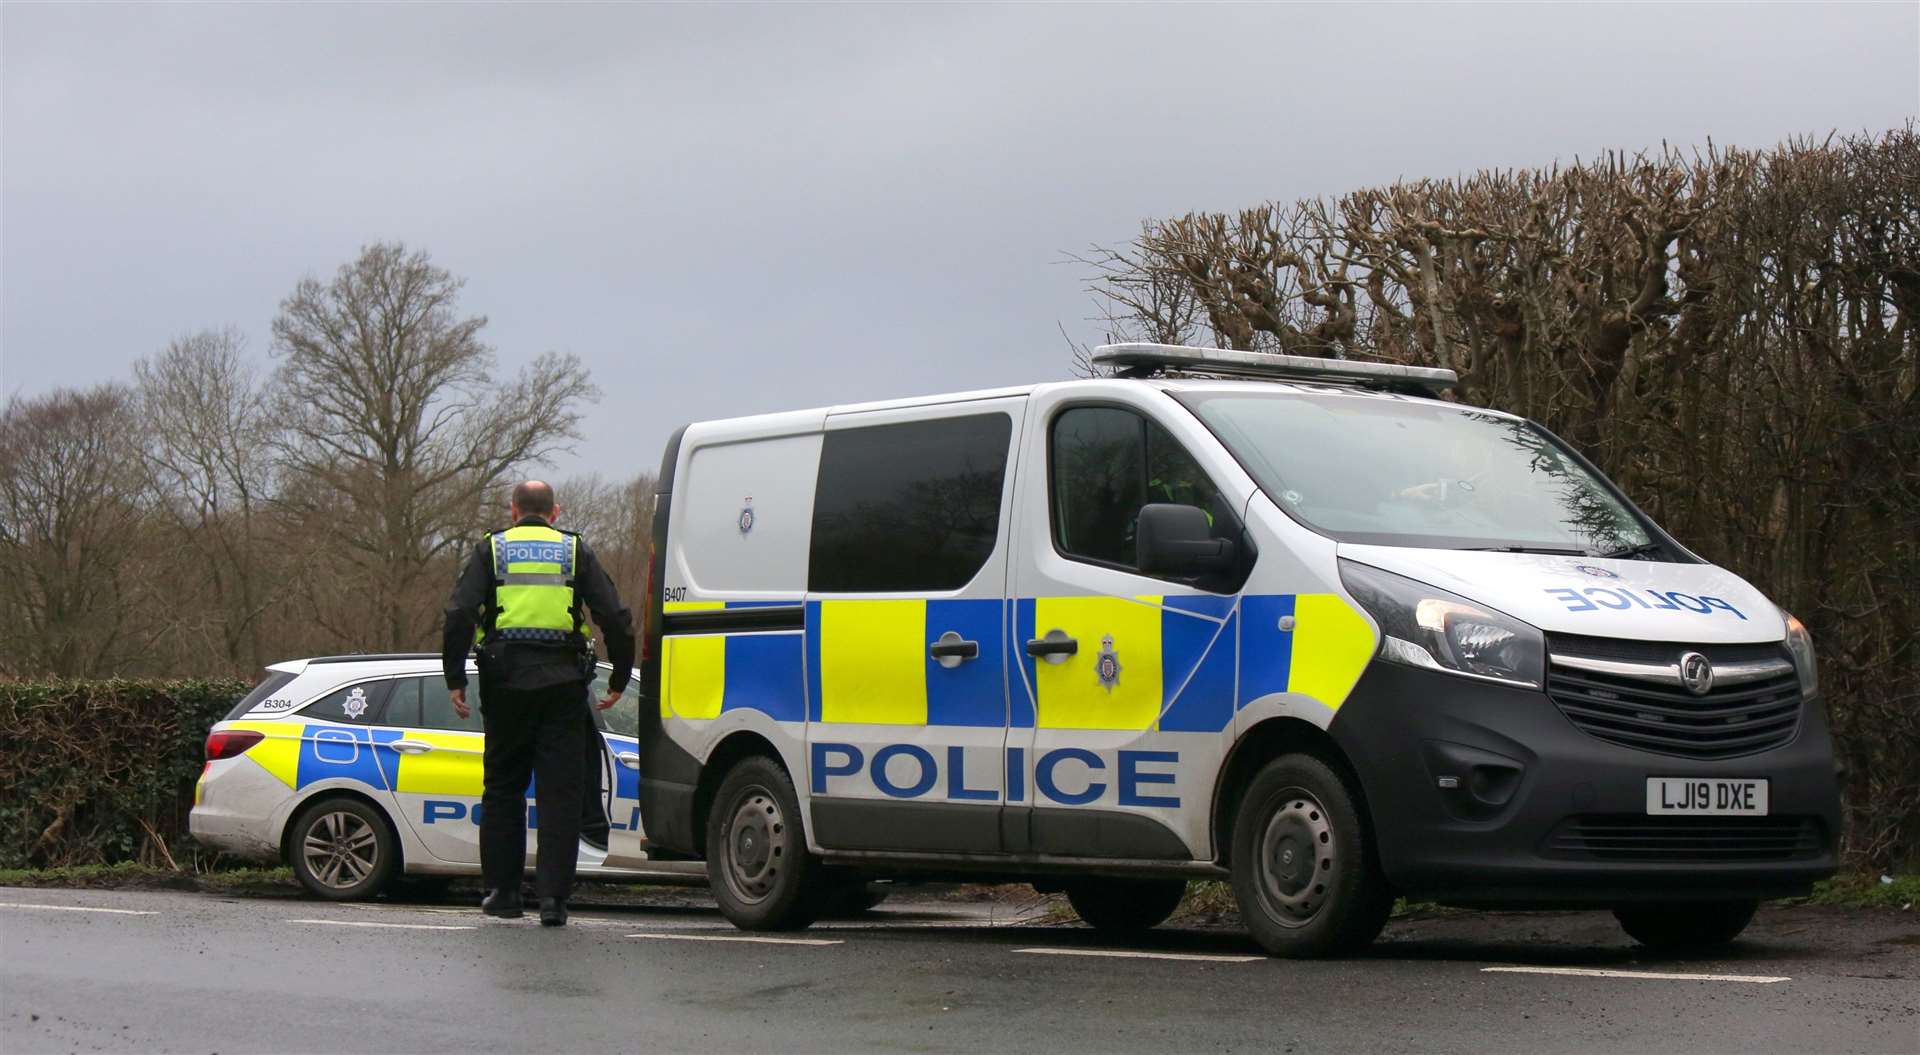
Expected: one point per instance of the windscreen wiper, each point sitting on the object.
(1527, 549)
(1642, 550)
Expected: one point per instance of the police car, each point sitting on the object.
(1293, 623)
(355, 770)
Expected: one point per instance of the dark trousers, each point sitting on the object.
(532, 733)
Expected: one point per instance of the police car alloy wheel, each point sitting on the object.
(1304, 872)
(341, 849)
(1696, 925)
(757, 863)
(1125, 904)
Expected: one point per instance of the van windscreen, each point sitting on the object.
(1392, 472)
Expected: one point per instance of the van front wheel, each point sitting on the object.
(1304, 872)
(1125, 904)
(757, 864)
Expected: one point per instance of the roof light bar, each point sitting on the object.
(1148, 360)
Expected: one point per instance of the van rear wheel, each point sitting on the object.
(1124, 905)
(757, 862)
(1305, 873)
(1683, 925)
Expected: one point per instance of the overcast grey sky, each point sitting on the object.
(735, 209)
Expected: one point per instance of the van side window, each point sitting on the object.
(913, 506)
(1106, 464)
(362, 704)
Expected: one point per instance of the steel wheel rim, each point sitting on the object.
(1298, 860)
(340, 850)
(755, 845)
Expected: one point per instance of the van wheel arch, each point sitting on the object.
(730, 751)
(1262, 744)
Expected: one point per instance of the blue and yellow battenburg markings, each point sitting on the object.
(865, 662)
(300, 755)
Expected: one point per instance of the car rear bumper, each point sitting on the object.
(235, 807)
(1546, 813)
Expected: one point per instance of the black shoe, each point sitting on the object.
(502, 903)
(553, 912)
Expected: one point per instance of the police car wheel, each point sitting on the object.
(1304, 873)
(341, 850)
(757, 862)
(1695, 925)
(1125, 904)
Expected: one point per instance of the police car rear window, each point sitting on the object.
(272, 683)
(362, 704)
(908, 507)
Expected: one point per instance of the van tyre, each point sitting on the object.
(342, 850)
(1686, 925)
(757, 861)
(1123, 905)
(1305, 871)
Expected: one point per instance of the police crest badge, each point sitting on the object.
(745, 523)
(1107, 664)
(356, 703)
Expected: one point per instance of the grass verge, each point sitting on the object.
(129, 875)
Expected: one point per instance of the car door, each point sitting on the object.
(906, 628)
(441, 757)
(620, 775)
(1123, 700)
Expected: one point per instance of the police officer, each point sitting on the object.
(527, 590)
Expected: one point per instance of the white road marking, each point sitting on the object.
(393, 926)
(1128, 954)
(740, 937)
(79, 908)
(1595, 972)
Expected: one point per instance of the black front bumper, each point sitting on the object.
(1545, 813)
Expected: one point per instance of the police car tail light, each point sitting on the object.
(1800, 645)
(228, 743)
(1426, 627)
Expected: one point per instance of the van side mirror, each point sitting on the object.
(1178, 540)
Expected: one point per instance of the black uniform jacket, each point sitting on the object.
(530, 665)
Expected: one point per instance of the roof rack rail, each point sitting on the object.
(359, 657)
(1175, 360)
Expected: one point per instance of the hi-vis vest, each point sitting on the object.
(533, 586)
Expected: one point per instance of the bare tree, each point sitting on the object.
(211, 464)
(71, 513)
(396, 434)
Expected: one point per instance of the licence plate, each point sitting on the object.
(1707, 796)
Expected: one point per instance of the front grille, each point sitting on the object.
(1661, 716)
(1632, 837)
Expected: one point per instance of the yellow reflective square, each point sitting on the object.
(1073, 694)
(453, 767)
(693, 675)
(1332, 644)
(873, 662)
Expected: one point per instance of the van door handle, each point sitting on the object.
(411, 747)
(1054, 648)
(952, 649)
(628, 759)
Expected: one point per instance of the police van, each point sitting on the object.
(1294, 623)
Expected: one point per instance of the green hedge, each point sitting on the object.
(95, 772)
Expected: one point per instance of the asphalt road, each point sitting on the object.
(186, 972)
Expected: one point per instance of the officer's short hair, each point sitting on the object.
(534, 497)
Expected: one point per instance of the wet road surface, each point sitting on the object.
(188, 972)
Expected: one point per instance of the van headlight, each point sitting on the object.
(1426, 627)
(1800, 644)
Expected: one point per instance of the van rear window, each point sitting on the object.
(908, 507)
